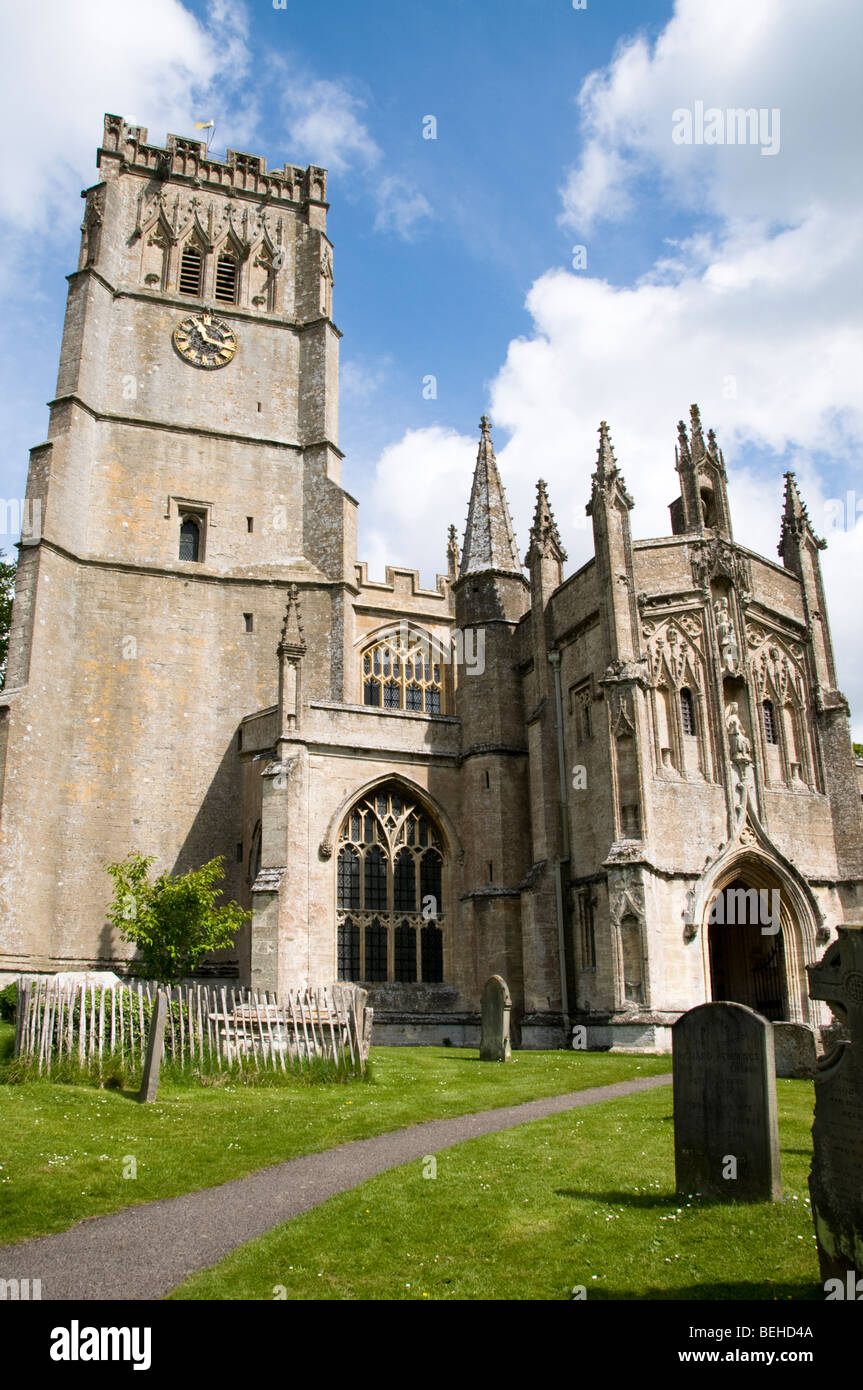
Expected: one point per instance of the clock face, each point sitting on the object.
(205, 341)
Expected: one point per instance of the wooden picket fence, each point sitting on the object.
(209, 1025)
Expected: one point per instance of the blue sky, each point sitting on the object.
(714, 274)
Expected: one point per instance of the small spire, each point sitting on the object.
(714, 452)
(544, 535)
(606, 463)
(608, 476)
(795, 517)
(681, 453)
(452, 552)
(292, 628)
(695, 434)
(489, 539)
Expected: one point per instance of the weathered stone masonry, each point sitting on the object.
(553, 780)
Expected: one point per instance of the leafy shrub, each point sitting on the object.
(174, 921)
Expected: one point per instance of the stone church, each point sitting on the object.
(627, 791)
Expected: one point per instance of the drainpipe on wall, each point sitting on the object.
(554, 659)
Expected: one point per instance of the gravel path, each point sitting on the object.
(143, 1252)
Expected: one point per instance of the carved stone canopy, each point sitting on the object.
(720, 558)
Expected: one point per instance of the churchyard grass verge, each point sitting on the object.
(580, 1200)
(64, 1148)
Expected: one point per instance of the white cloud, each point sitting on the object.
(324, 126)
(400, 206)
(360, 378)
(64, 65)
(422, 486)
(734, 55)
(757, 317)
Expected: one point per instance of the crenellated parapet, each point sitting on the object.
(183, 159)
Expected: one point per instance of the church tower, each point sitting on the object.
(191, 474)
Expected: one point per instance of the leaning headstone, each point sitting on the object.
(835, 1182)
(726, 1137)
(155, 1048)
(494, 1043)
(795, 1049)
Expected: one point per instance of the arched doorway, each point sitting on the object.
(390, 887)
(747, 948)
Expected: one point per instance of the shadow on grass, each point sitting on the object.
(650, 1201)
(800, 1291)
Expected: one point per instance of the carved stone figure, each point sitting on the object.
(729, 650)
(739, 745)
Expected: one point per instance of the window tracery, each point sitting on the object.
(404, 671)
(389, 891)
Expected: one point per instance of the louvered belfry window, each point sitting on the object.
(226, 280)
(687, 711)
(389, 891)
(191, 271)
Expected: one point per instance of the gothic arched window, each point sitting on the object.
(190, 538)
(404, 670)
(191, 270)
(687, 711)
(389, 891)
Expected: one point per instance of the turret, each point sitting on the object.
(609, 506)
(545, 554)
(799, 547)
(702, 507)
(491, 597)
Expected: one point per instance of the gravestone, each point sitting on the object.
(726, 1139)
(836, 1179)
(494, 1043)
(795, 1049)
(365, 1021)
(155, 1048)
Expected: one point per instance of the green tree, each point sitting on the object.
(174, 921)
(858, 749)
(7, 589)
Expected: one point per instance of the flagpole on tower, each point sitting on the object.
(207, 125)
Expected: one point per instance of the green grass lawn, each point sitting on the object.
(585, 1198)
(64, 1148)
